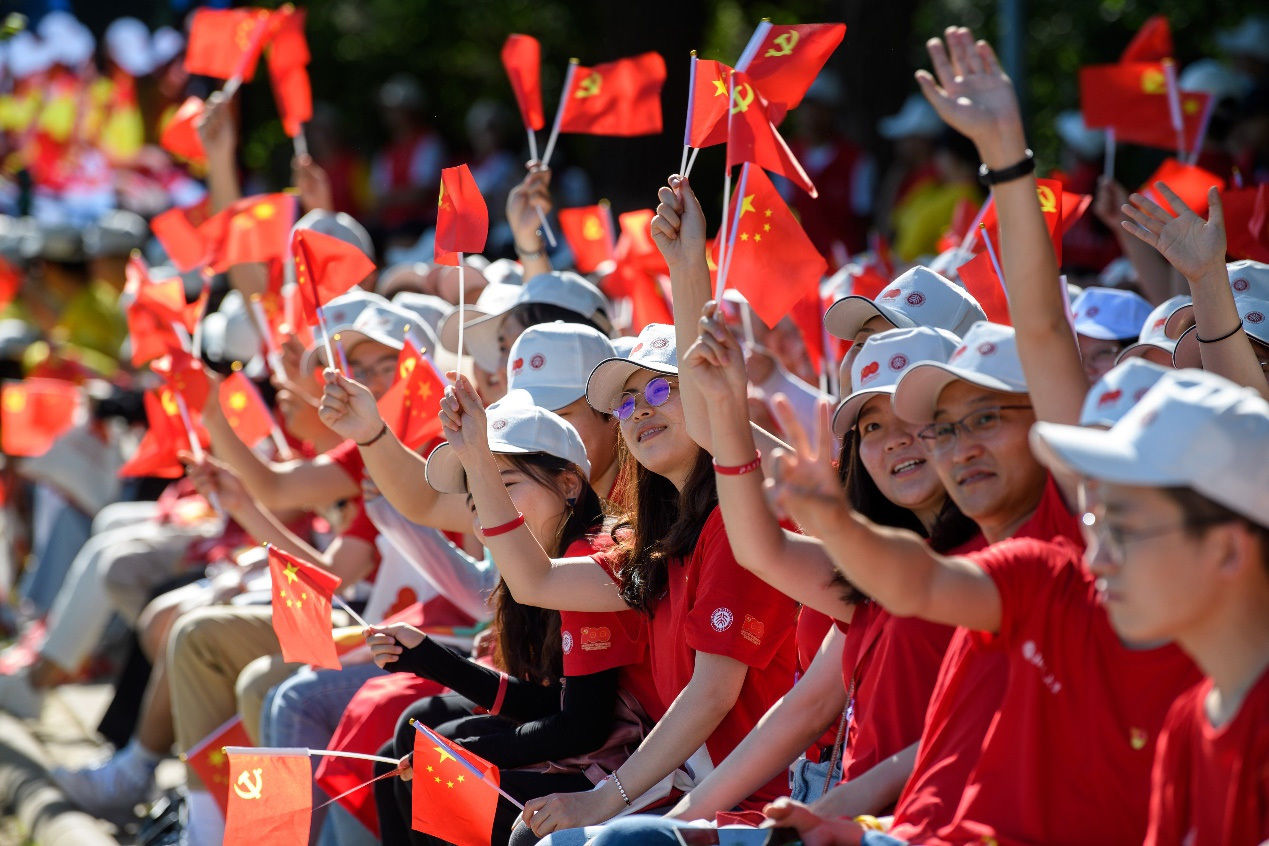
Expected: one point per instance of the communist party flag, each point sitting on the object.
(325, 267)
(34, 413)
(1152, 43)
(588, 231)
(224, 43)
(244, 408)
(180, 133)
(1190, 182)
(787, 58)
(978, 276)
(462, 220)
(208, 760)
(1247, 222)
(1060, 207)
(455, 794)
(752, 137)
(771, 261)
(1132, 99)
(270, 797)
(522, 58)
(253, 229)
(410, 407)
(165, 438)
(301, 610)
(615, 98)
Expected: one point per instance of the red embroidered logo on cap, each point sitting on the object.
(898, 362)
(752, 630)
(890, 294)
(1240, 284)
(1254, 317)
(566, 642)
(1109, 397)
(1158, 324)
(916, 298)
(498, 425)
(960, 351)
(987, 348)
(596, 638)
(537, 361)
(869, 371)
(517, 365)
(660, 343)
(637, 347)
(721, 619)
(1092, 311)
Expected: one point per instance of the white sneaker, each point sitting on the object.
(18, 698)
(117, 784)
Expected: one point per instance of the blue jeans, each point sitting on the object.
(59, 534)
(648, 830)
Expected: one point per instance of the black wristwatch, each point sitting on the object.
(1007, 174)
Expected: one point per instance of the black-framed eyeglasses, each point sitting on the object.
(383, 368)
(656, 393)
(941, 436)
(1115, 539)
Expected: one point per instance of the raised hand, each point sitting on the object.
(313, 184)
(716, 361)
(214, 479)
(216, 128)
(678, 229)
(523, 203)
(803, 484)
(814, 829)
(1108, 202)
(1192, 245)
(388, 642)
(968, 88)
(463, 419)
(348, 408)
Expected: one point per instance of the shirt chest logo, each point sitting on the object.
(1031, 654)
(595, 638)
(721, 619)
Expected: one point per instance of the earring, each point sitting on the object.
(571, 501)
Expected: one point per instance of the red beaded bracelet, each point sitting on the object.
(508, 526)
(739, 469)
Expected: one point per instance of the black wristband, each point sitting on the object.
(1007, 174)
(1231, 333)
(530, 254)
(382, 432)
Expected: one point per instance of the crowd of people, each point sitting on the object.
(941, 570)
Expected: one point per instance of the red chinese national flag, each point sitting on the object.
(616, 98)
(301, 610)
(153, 315)
(208, 760)
(788, 58)
(771, 262)
(34, 413)
(754, 138)
(462, 220)
(165, 438)
(978, 275)
(184, 244)
(1152, 43)
(412, 405)
(1190, 182)
(1132, 99)
(588, 231)
(226, 42)
(325, 267)
(184, 374)
(288, 46)
(522, 58)
(450, 801)
(1247, 222)
(254, 229)
(180, 135)
(270, 797)
(244, 408)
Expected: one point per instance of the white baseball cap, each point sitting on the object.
(386, 324)
(654, 350)
(919, 297)
(1192, 429)
(1246, 278)
(341, 312)
(516, 426)
(987, 357)
(1154, 333)
(553, 360)
(1254, 314)
(1109, 314)
(430, 308)
(495, 298)
(882, 361)
(1119, 390)
(563, 289)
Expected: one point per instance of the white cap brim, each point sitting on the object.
(608, 380)
(847, 413)
(448, 334)
(1099, 454)
(444, 470)
(1142, 347)
(480, 336)
(847, 316)
(917, 394)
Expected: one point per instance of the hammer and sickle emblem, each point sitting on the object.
(247, 787)
(1048, 201)
(407, 367)
(1152, 82)
(741, 98)
(785, 42)
(592, 230)
(589, 85)
(168, 401)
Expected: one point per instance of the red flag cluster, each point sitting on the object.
(588, 231)
(254, 229)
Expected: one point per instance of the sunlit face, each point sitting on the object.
(544, 509)
(599, 435)
(491, 386)
(1158, 355)
(1156, 578)
(992, 476)
(871, 327)
(1097, 355)
(657, 436)
(895, 458)
(374, 365)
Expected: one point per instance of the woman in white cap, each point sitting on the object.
(555, 694)
(721, 641)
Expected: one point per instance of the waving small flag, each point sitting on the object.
(180, 134)
(207, 758)
(1190, 182)
(410, 407)
(616, 98)
(588, 231)
(754, 138)
(34, 413)
(270, 797)
(244, 408)
(253, 229)
(455, 791)
(325, 267)
(522, 58)
(301, 610)
(1132, 98)
(165, 438)
(462, 220)
(224, 43)
(786, 59)
(1152, 43)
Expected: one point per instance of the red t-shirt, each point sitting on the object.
(809, 636)
(716, 606)
(1211, 785)
(348, 458)
(594, 641)
(965, 699)
(1068, 758)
